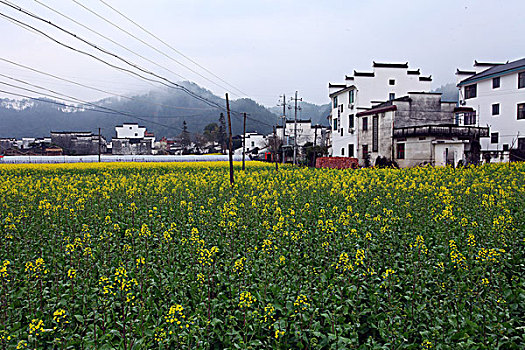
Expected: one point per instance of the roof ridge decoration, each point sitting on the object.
(389, 65)
(495, 71)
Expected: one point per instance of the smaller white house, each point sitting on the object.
(254, 142)
(132, 139)
(130, 131)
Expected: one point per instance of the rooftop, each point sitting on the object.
(494, 71)
(390, 65)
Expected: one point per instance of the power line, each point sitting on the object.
(148, 45)
(166, 82)
(105, 110)
(109, 39)
(173, 84)
(171, 47)
(97, 89)
(82, 101)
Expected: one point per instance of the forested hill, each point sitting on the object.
(161, 111)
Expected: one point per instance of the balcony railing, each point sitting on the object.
(441, 130)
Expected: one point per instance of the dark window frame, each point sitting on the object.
(495, 109)
(400, 151)
(496, 82)
(351, 150)
(335, 124)
(521, 111)
(351, 96)
(343, 151)
(471, 91)
(351, 121)
(469, 118)
(392, 82)
(521, 80)
(365, 123)
(391, 96)
(494, 137)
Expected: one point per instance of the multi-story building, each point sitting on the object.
(493, 95)
(363, 90)
(414, 130)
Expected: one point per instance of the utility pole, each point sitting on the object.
(283, 157)
(244, 141)
(231, 140)
(295, 129)
(275, 149)
(99, 141)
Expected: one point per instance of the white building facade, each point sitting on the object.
(495, 92)
(253, 143)
(360, 92)
(306, 132)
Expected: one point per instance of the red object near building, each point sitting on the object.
(337, 163)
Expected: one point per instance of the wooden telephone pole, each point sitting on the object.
(231, 140)
(244, 141)
(99, 141)
(275, 149)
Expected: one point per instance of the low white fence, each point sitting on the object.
(114, 158)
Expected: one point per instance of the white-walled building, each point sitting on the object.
(253, 142)
(306, 132)
(132, 139)
(495, 93)
(130, 131)
(363, 90)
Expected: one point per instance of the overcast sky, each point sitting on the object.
(264, 48)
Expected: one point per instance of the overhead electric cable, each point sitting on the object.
(105, 109)
(170, 85)
(100, 90)
(88, 103)
(148, 45)
(109, 39)
(171, 47)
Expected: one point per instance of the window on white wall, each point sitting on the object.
(521, 80)
(392, 82)
(521, 111)
(494, 137)
(470, 91)
(495, 109)
(351, 97)
(496, 83)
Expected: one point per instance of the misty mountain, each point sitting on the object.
(449, 92)
(160, 111)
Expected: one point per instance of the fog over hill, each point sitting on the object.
(37, 118)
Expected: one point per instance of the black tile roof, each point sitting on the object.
(496, 71)
(363, 74)
(390, 65)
